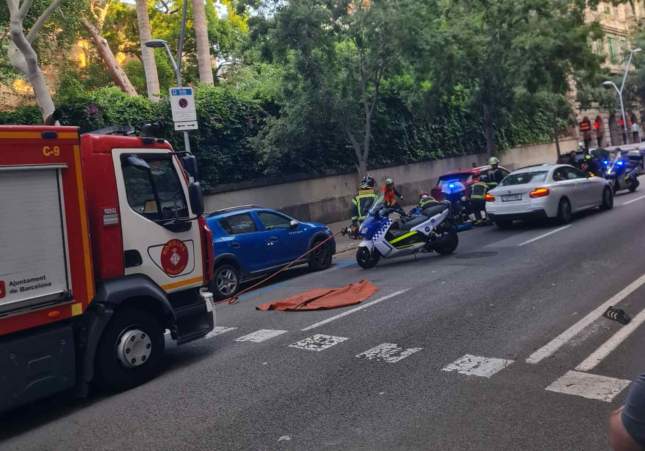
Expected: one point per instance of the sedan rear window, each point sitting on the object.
(522, 178)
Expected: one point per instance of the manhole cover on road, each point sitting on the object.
(477, 254)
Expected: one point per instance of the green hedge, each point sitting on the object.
(242, 138)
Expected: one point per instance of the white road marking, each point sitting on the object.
(354, 310)
(472, 365)
(590, 386)
(632, 201)
(551, 347)
(533, 240)
(318, 342)
(607, 347)
(387, 352)
(219, 330)
(261, 335)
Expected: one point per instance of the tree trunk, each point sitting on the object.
(147, 54)
(556, 136)
(31, 69)
(119, 77)
(200, 25)
(489, 132)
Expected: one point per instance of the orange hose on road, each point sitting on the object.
(235, 299)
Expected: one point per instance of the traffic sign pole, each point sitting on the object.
(186, 142)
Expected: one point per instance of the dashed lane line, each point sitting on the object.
(472, 365)
(354, 310)
(544, 235)
(318, 342)
(261, 335)
(590, 386)
(388, 352)
(610, 345)
(631, 201)
(551, 347)
(219, 330)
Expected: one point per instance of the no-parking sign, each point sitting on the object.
(182, 103)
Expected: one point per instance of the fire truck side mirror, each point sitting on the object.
(189, 162)
(196, 198)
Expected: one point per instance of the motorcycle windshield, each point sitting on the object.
(378, 205)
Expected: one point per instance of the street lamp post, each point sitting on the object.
(622, 87)
(160, 43)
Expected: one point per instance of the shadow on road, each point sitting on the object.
(39, 413)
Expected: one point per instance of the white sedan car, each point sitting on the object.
(546, 191)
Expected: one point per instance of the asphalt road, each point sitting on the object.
(501, 299)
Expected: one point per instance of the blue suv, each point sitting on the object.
(251, 241)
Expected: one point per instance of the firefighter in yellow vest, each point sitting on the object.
(477, 203)
(362, 203)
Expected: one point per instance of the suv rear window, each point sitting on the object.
(522, 178)
(238, 224)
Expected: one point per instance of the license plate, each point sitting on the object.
(511, 197)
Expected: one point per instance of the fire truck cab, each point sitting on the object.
(103, 249)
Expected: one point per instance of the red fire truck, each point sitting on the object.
(103, 248)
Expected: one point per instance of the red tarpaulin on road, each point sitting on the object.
(324, 298)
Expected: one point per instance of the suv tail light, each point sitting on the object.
(489, 197)
(539, 192)
(208, 256)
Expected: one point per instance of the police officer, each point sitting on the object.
(425, 201)
(588, 165)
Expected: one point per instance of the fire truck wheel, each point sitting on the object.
(130, 350)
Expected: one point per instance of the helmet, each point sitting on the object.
(493, 161)
(367, 182)
(423, 195)
(587, 157)
(389, 181)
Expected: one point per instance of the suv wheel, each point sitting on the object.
(226, 281)
(321, 258)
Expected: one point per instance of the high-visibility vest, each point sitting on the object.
(585, 126)
(362, 204)
(478, 190)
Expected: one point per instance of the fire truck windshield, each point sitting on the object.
(153, 187)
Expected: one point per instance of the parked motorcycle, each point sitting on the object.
(621, 174)
(455, 193)
(433, 230)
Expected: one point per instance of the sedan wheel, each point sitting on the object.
(607, 199)
(226, 281)
(564, 212)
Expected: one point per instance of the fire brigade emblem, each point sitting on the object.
(174, 257)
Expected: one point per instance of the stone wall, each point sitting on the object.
(328, 199)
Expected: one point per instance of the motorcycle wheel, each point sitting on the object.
(447, 244)
(633, 185)
(367, 259)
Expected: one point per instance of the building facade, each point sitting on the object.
(619, 24)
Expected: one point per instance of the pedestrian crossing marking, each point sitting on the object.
(219, 330)
(590, 386)
(261, 335)
(318, 342)
(388, 352)
(472, 365)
